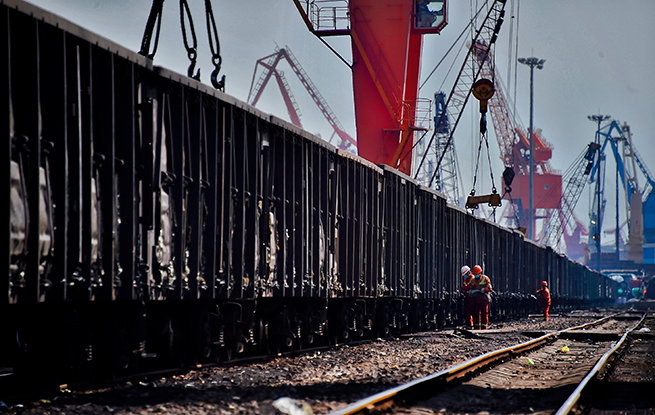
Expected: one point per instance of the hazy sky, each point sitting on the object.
(599, 59)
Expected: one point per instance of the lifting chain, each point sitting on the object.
(154, 20)
(192, 51)
(212, 34)
(484, 139)
(483, 90)
(494, 198)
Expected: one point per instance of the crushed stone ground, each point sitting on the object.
(323, 381)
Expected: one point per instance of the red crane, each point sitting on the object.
(269, 64)
(386, 48)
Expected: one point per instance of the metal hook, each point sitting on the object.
(220, 85)
(189, 71)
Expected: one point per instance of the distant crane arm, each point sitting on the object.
(650, 184)
(269, 63)
(575, 181)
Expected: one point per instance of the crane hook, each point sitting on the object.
(192, 66)
(217, 60)
(189, 71)
(220, 85)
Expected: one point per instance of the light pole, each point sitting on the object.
(596, 235)
(539, 64)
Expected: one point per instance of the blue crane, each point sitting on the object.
(619, 140)
(575, 179)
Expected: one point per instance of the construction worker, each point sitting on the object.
(479, 290)
(543, 295)
(468, 277)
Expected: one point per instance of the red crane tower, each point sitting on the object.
(269, 64)
(386, 47)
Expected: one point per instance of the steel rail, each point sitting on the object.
(438, 381)
(573, 399)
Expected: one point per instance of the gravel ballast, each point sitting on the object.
(318, 381)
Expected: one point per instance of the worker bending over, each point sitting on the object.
(478, 290)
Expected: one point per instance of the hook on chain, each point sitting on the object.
(154, 22)
(192, 66)
(190, 49)
(214, 46)
(220, 85)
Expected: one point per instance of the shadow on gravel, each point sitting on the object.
(473, 399)
(144, 395)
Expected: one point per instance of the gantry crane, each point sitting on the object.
(589, 167)
(269, 66)
(619, 139)
(386, 53)
(575, 178)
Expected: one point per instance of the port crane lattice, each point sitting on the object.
(589, 167)
(627, 160)
(459, 95)
(575, 179)
(447, 175)
(269, 64)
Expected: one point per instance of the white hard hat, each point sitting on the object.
(465, 269)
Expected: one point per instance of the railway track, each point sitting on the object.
(557, 372)
(628, 381)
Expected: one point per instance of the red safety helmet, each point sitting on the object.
(477, 270)
(544, 283)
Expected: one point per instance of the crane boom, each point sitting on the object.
(575, 183)
(270, 64)
(630, 151)
(321, 103)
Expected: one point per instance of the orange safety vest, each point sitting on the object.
(467, 284)
(544, 294)
(482, 284)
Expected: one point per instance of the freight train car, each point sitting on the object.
(154, 222)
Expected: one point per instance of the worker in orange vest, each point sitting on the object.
(468, 277)
(479, 290)
(543, 295)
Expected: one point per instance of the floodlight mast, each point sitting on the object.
(539, 64)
